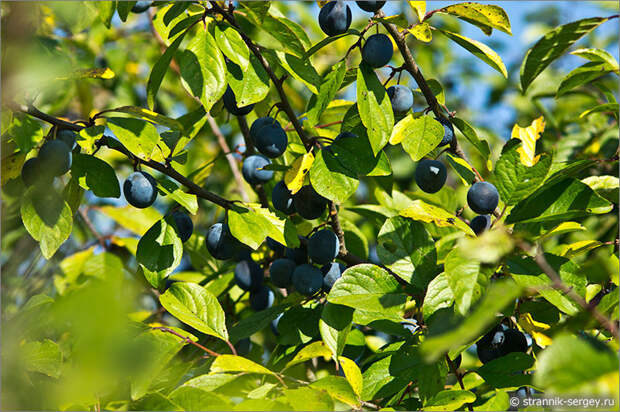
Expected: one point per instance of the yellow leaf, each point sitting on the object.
(422, 211)
(352, 373)
(422, 32)
(535, 329)
(321, 3)
(12, 166)
(398, 132)
(528, 136)
(294, 177)
(419, 8)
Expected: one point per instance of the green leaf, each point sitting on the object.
(300, 68)
(232, 363)
(260, 320)
(605, 107)
(131, 218)
(178, 7)
(154, 402)
(96, 175)
(572, 364)
(438, 295)
(195, 306)
(123, 8)
(480, 50)
(368, 287)
(196, 399)
(88, 136)
(424, 212)
(470, 134)
(504, 372)
(552, 45)
(604, 186)
(330, 178)
(252, 224)
(418, 135)
(374, 107)
(313, 350)
(514, 180)
(43, 357)
(449, 400)
(399, 20)
(327, 40)
(160, 251)
(528, 274)
(250, 85)
(47, 217)
(464, 277)
(391, 374)
(106, 12)
(338, 388)
(497, 297)
(582, 75)
(156, 348)
(149, 115)
(334, 326)
(499, 402)
(138, 136)
(597, 55)
(329, 86)
(203, 69)
(299, 325)
(258, 8)
(159, 70)
(25, 131)
(463, 169)
(306, 398)
(232, 45)
(188, 200)
(563, 200)
(486, 16)
(404, 246)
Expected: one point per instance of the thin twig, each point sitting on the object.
(459, 378)
(186, 339)
(91, 227)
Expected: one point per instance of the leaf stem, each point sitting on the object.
(186, 339)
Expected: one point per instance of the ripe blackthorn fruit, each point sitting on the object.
(401, 98)
(140, 189)
(331, 273)
(499, 342)
(252, 172)
(68, 137)
(480, 223)
(308, 203)
(281, 271)
(230, 102)
(299, 255)
(220, 242)
(371, 6)
(430, 175)
(282, 198)
(448, 133)
(271, 141)
(482, 198)
(55, 158)
(260, 123)
(262, 298)
(335, 18)
(184, 224)
(323, 247)
(378, 50)
(307, 279)
(31, 171)
(248, 275)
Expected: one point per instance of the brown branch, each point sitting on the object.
(558, 284)
(232, 162)
(459, 378)
(91, 227)
(186, 339)
(245, 132)
(335, 223)
(284, 104)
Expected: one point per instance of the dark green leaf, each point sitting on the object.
(96, 175)
(334, 326)
(250, 85)
(374, 107)
(160, 250)
(138, 136)
(552, 45)
(330, 84)
(507, 371)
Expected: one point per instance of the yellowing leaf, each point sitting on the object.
(321, 3)
(99, 73)
(313, 350)
(480, 50)
(535, 329)
(294, 177)
(419, 8)
(352, 373)
(12, 166)
(422, 211)
(422, 32)
(529, 135)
